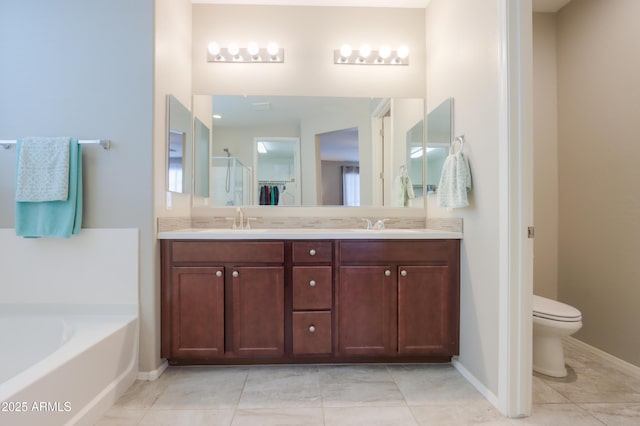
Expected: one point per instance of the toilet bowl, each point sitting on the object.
(552, 320)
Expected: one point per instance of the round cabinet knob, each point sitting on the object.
(312, 329)
(387, 273)
(403, 273)
(235, 274)
(312, 283)
(218, 273)
(312, 252)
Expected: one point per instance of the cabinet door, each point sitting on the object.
(258, 310)
(366, 310)
(197, 312)
(425, 308)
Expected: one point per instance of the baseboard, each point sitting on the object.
(153, 374)
(484, 391)
(620, 363)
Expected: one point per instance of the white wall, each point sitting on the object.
(85, 69)
(545, 151)
(463, 63)
(172, 76)
(309, 35)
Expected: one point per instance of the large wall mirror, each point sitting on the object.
(316, 151)
(179, 147)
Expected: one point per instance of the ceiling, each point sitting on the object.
(538, 5)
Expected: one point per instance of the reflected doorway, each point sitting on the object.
(339, 158)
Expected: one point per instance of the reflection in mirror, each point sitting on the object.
(277, 170)
(439, 136)
(411, 180)
(201, 138)
(230, 181)
(179, 146)
(312, 120)
(339, 168)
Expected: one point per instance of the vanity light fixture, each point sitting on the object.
(253, 53)
(346, 55)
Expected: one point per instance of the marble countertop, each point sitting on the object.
(306, 233)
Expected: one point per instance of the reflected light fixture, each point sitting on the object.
(253, 53)
(261, 148)
(346, 55)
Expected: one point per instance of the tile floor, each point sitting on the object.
(594, 393)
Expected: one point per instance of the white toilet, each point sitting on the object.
(552, 320)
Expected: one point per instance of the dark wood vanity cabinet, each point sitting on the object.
(309, 301)
(398, 298)
(222, 299)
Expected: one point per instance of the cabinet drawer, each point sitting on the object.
(228, 251)
(312, 251)
(312, 287)
(397, 251)
(311, 333)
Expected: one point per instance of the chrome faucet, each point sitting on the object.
(369, 225)
(241, 214)
(380, 224)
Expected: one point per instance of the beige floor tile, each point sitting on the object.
(187, 418)
(422, 384)
(479, 412)
(281, 386)
(117, 416)
(557, 415)
(279, 416)
(203, 389)
(369, 416)
(542, 393)
(615, 414)
(360, 394)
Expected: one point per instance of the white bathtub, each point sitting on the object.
(64, 365)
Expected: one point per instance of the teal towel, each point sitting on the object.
(59, 219)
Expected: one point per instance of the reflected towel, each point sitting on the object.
(455, 181)
(42, 172)
(58, 219)
(402, 191)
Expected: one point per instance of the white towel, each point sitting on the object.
(402, 191)
(455, 180)
(42, 169)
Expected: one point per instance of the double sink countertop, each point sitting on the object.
(307, 233)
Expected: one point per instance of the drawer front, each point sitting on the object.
(228, 251)
(398, 251)
(312, 287)
(312, 251)
(311, 333)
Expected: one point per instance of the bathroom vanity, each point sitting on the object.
(309, 296)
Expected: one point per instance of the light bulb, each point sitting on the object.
(253, 49)
(365, 51)
(385, 51)
(273, 49)
(345, 51)
(214, 48)
(233, 49)
(403, 52)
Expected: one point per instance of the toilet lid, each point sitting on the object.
(554, 310)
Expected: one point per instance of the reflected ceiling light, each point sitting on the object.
(252, 53)
(417, 152)
(367, 56)
(217, 116)
(261, 148)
